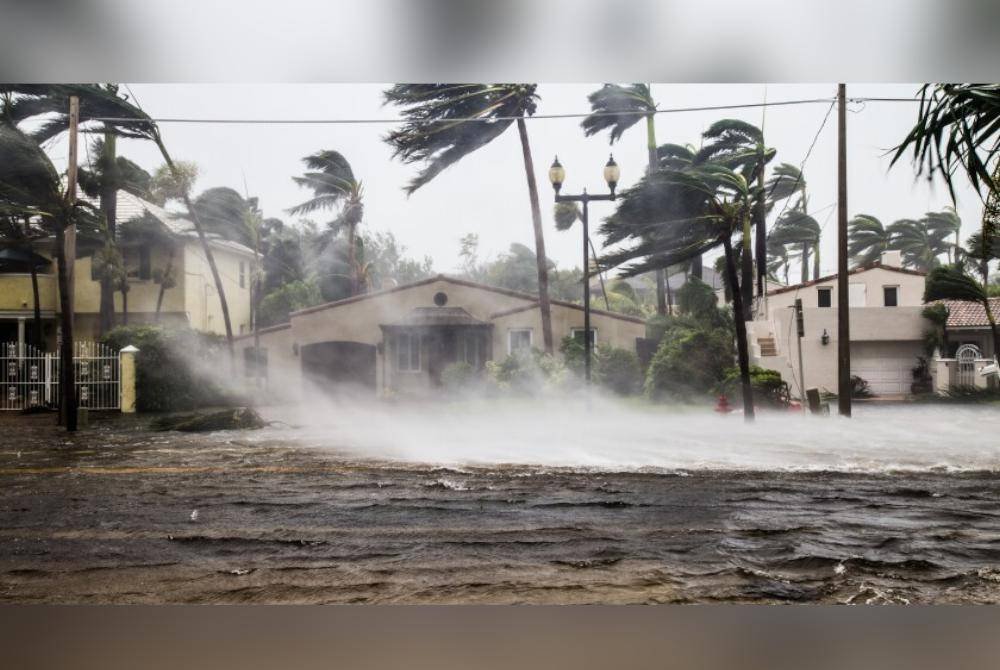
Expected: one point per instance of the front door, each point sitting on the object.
(442, 351)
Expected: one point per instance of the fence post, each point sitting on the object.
(127, 379)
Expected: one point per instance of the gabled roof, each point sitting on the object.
(571, 305)
(853, 271)
(529, 299)
(968, 314)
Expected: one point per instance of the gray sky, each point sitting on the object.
(486, 193)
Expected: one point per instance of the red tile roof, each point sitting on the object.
(966, 314)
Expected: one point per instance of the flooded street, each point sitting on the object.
(108, 516)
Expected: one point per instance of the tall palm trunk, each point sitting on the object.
(816, 260)
(742, 348)
(209, 256)
(536, 220)
(124, 290)
(805, 262)
(697, 267)
(760, 218)
(661, 273)
(167, 272)
(109, 208)
(352, 260)
(746, 270)
(36, 324)
(67, 392)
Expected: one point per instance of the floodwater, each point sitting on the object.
(506, 503)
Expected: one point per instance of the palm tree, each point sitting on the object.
(867, 239)
(919, 245)
(983, 253)
(739, 146)
(99, 104)
(109, 175)
(671, 216)
(334, 186)
(565, 215)
(438, 133)
(795, 227)
(616, 108)
(944, 223)
(785, 181)
(951, 283)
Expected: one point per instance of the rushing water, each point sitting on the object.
(472, 502)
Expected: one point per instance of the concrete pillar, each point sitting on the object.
(126, 379)
(20, 335)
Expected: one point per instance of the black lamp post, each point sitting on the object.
(557, 175)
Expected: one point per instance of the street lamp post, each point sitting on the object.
(557, 175)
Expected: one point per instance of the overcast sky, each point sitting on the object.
(486, 193)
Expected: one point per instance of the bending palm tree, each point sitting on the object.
(673, 215)
(617, 108)
(919, 245)
(945, 223)
(787, 180)
(951, 283)
(795, 227)
(867, 239)
(334, 185)
(437, 134)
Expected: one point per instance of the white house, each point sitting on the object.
(887, 328)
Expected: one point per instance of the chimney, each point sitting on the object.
(893, 258)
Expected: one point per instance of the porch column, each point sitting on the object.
(20, 335)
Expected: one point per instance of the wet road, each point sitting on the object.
(105, 517)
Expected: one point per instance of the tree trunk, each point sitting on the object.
(165, 277)
(600, 276)
(536, 220)
(209, 256)
(669, 296)
(125, 304)
(352, 261)
(746, 270)
(109, 208)
(697, 265)
(816, 260)
(652, 165)
(805, 262)
(760, 220)
(36, 324)
(67, 390)
(742, 347)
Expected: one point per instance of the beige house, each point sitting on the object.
(192, 301)
(887, 328)
(970, 350)
(398, 341)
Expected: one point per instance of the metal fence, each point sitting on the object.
(30, 376)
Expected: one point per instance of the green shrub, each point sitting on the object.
(277, 305)
(697, 299)
(690, 362)
(460, 376)
(171, 367)
(573, 354)
(769, 389)
(617, 370)
(526, 372)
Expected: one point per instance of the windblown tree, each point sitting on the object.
(565, 215)
(110, 174)
(786, 181)
(739, 146)
(919, 244)
(335, 187)
(867, 239)
(616, 108)
(114, 113)
(797, 229)
(447, 122)
(672, 215)
(944, 224)
(983, 254)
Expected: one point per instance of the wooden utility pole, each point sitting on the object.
(843, 297)
(66, 377)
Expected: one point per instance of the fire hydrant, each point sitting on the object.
(722, 406)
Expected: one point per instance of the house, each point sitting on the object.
(169, 244)
(970, 346)
(399, 340)
(887, 328)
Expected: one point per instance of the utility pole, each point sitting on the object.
(843, 297)
(66, 377)
(800, 331)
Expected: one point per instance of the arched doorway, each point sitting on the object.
(339, 366)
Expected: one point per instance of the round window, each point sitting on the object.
(440, 299)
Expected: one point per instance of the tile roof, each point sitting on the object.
(967, 314)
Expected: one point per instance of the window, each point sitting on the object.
(824, 296)
(518, 339)
(145, 265)
(577, 334)
(408, 352)
(243, 275)
(891, 295)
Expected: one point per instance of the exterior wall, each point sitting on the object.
(284, 367)
(616, 332)
(911, 290)
(981, 337)
(16, 294)
(201, 301)
(903, 327)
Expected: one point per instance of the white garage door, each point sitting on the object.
(886, 366)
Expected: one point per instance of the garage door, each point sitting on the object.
(886, 366)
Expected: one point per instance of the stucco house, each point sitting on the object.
(192, 301)
(399, 340)
(887, 328)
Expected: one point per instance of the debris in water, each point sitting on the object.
(194, 515)
(238, 418)
(239, 572)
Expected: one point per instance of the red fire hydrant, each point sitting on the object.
(722, 406)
